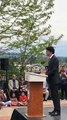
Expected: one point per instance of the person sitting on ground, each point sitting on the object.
(14, 101)
(22, 99)
(3, 99)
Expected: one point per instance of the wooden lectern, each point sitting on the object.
(35, 94)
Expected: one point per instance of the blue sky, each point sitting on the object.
(58, 22)
(61, 48)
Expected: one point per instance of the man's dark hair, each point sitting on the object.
(51, 49)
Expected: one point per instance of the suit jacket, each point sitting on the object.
(53, 71)
(10, 84)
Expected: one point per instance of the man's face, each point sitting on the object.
(48, 53)
(14, 77)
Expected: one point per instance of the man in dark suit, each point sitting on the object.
(53, 80)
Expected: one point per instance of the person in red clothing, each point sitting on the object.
(22, 99)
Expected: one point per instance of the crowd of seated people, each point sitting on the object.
(16, 94)
(17, 89)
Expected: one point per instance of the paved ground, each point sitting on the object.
(6, 112)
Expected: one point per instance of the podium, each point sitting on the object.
(35, 94)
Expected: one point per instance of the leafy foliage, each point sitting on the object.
(23, 23)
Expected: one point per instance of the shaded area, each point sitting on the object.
(19, 114)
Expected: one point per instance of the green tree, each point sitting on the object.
(23, 23)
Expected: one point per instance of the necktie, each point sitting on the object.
(14, 84)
